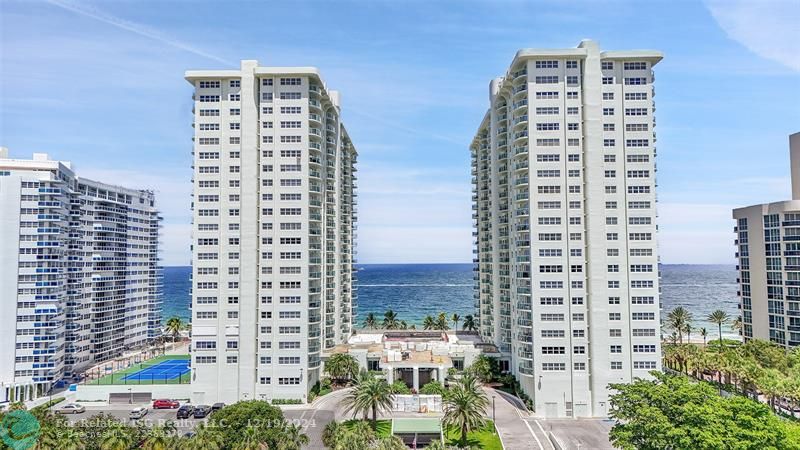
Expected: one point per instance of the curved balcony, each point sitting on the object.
(520, 120)
(315, 132)
(315, 119)
(314, 104)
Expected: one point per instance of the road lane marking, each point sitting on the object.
(533, 434)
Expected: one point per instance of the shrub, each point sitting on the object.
(433, 388)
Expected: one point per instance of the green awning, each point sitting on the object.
(410, 426)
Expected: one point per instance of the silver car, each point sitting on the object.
(71, 408)
(138, 413)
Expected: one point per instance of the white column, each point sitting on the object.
(416, 378)
(390, 375)
(441, 373)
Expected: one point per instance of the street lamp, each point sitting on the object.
(130, 398)
(493, 410)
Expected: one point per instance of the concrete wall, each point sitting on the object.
(94, 393)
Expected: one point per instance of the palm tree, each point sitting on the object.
(720, 318)
(159, 437)
(436, 444)
(677, 320)
(369, 394)
(464, 407)
(704, 333)
(292, 438)
(389, 443)
(456, 318)
(250, 440)
(329, 434)
(428, 323)
(469, 323)
(205, 438)
(341, 366)
(370, 322)
(174, 326)
(68, 438)
(403, 325)
(390, 321)
(117, 437)
(442, 322)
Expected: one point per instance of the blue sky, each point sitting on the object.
(101, 84)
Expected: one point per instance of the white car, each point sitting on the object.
(71, 408)
(138, 413)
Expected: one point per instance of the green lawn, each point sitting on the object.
(485, 439)
(384, 426)
(117, 377)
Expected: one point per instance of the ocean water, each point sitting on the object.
(416, 290)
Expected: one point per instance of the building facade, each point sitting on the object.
(79, 273)
(566, 266)
(768, 254)
(273, 231)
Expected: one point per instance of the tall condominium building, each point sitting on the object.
(768, 252)
(79, 275)
(273, 234)
(566, 272)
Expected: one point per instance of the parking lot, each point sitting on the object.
(122, 411)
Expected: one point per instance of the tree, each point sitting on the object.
(174, 326)
(251, 439)
(369, 394)
(455, 319)
(159, 437)
(403, 325)
(370, 322)
(672, 412)
(68, 438)
(704, 333)
(118, 437)
(292, 438)
(357, 435)
(341, 366)
(388, 443)
(482, 368)
(720, 318)
(441, 323)
(464, 407)
(233, 421)
(469, 323)
(205, 438)
(677, 320)
(428, 323)
(329, 433)
(390, 321)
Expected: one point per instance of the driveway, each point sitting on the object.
(517, 429)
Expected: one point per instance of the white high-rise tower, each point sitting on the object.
(273, 233)
(80, 281)
(563, 168)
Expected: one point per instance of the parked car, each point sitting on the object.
(185, 411)
(201, 411)
(164, 403)
(71, 408)
(138, 413)
(217, 406)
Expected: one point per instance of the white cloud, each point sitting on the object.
(768, 28)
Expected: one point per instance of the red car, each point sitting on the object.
(164, 403)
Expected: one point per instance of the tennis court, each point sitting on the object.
(165, 370)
